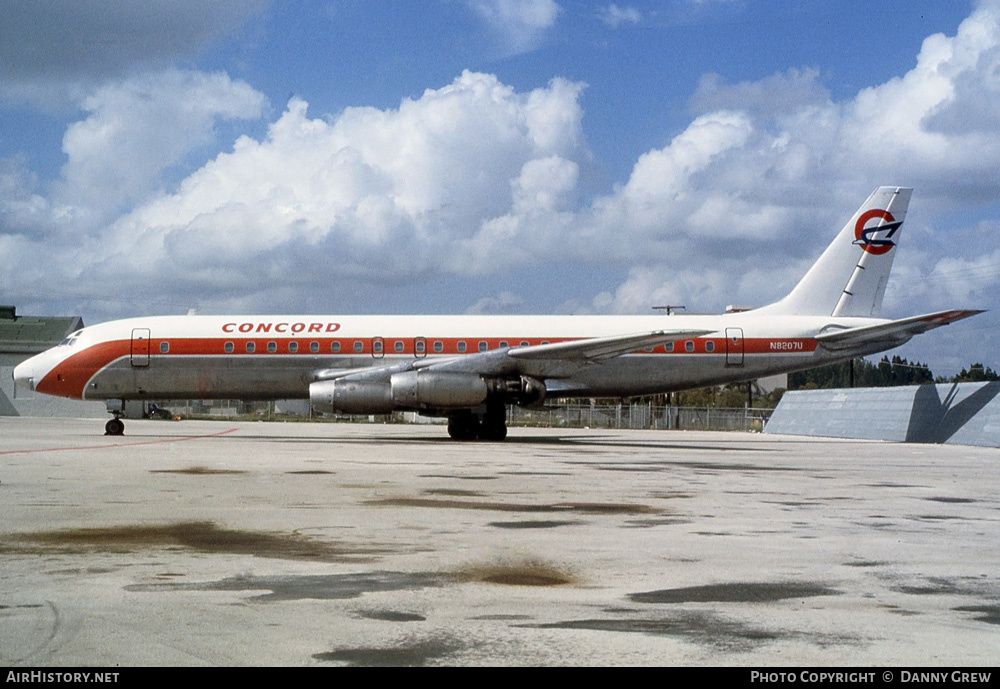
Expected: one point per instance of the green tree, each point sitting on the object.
(975, 374)
(887, 373)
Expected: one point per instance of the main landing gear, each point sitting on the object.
(468, 425)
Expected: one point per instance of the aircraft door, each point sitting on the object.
(734, 346)
(419, 347)
(140, 347)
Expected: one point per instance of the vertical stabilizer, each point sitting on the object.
(849, 279)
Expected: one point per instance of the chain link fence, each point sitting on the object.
(570, 414)
(640, 415)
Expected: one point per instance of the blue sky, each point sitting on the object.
(501, 156)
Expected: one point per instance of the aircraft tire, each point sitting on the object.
(494, 423)
(494, 432)
(114, 427)
(463, 426)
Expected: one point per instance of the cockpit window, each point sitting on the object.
(70, 339)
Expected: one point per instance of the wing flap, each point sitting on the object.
(898, 331)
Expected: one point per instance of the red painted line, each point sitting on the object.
(105, 447)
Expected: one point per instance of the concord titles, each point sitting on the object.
(280, 327)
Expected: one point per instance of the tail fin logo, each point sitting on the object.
(871, 238)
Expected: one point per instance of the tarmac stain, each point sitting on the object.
(463, 478)
(414, 654)
(935, 517)
(737, 592)
(455, 492)
(533, 524)
(699, 627)
(952, 500)
(528, 573)
(895, 610)
(584, 507)
(988, 613)
(197, 471)
(310, 472)
(392, 616)
(936, 586)
(309, 587)
(866, 563)
(710, 466)
(206, 537)
(650, 523)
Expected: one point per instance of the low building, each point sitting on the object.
(22, 337)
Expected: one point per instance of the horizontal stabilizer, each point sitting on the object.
(600, 348)
(896, 332)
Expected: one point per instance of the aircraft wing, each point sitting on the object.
(896, 332)
(554, 360)
(600, 348)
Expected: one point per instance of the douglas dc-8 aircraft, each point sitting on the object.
(469, 368)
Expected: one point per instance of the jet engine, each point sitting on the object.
(407, 390)
(430, 390)
(351, 397)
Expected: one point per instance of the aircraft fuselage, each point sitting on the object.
(271, 357)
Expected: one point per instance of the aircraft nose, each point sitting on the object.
(24, 375)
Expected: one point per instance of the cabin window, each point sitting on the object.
(314, 347)
(230, 347)
(377, 346)
(461, 347)
(483, 346)
(524, 343)
(251, 347)
(293, 347)
(272, 347)
(689, 346)
(359, 346)
(439, 346)
(164, 347)
(669, 347)
(709, 346)
(420, 346)
(335, 347)
(545, 342)
(398, 346)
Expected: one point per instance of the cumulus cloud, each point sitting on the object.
(754, 183)
(443, 184)
(52, 51)
(504, 303)
(520, 24)
(769, 97)
(137, 128)
(615, 16)
(22, 209)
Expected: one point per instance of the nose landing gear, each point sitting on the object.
(115, 426)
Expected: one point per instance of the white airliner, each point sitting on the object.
(469, 368)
